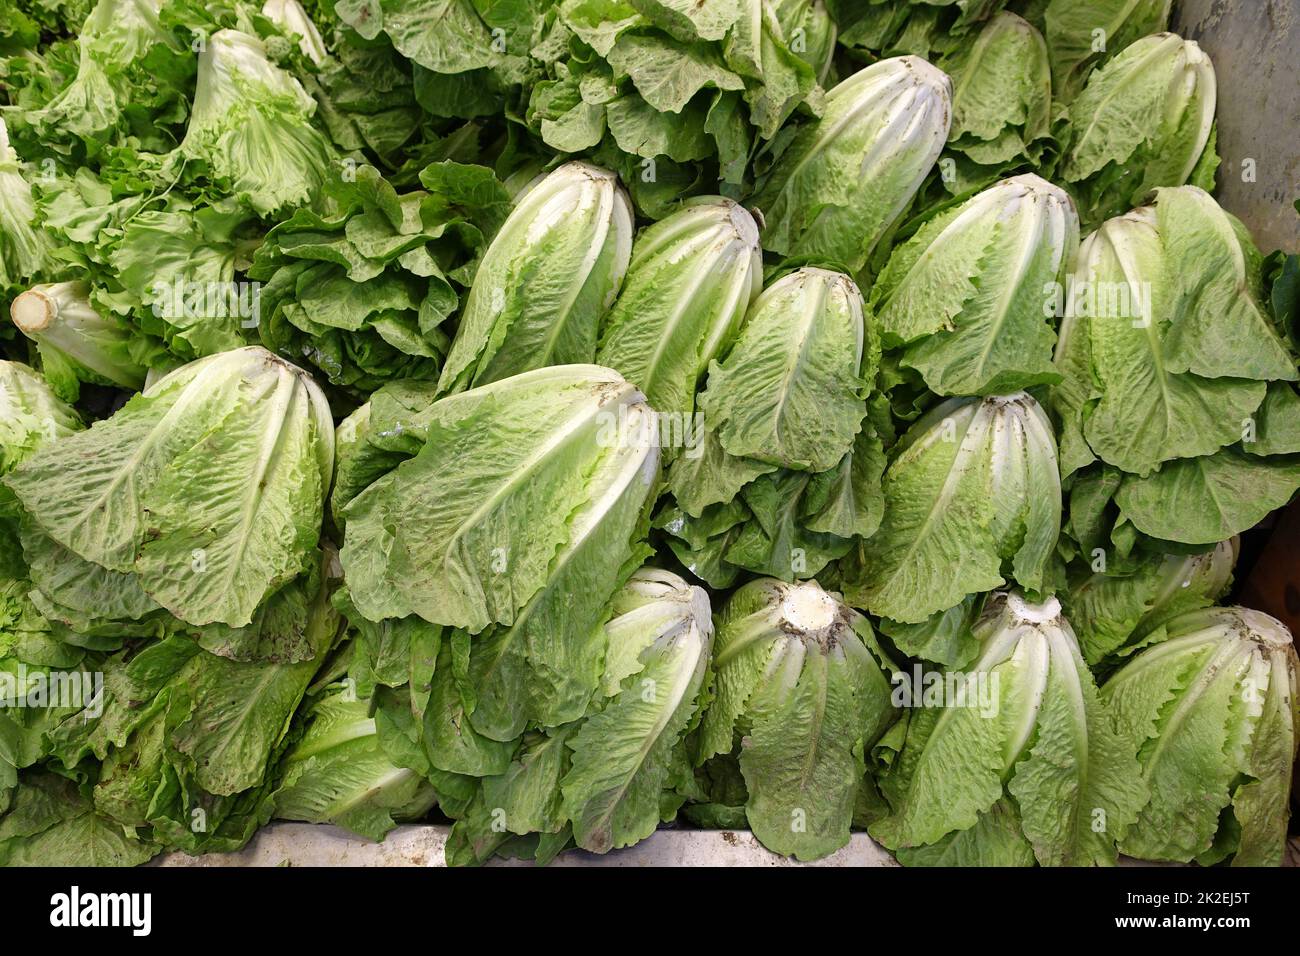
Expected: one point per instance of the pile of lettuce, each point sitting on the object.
(559, 420)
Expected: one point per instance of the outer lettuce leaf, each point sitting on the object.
(250, 430)
(780, 539)
(25, 247)
(1111, 613)
(886, 28)
(369, 442)
(1199, 501)
(170, 261)
(847, 501)
(707, 475)
(31, 415)
(1277, 423)
(338, 772)
(186, 738)
(45, 681)
(449, 36)
(543, 668)
(996, 839)
(1071, 29)
(945, 638)
(524, 800)
(789, 392)
(700, 543)
(1002, 94)
(51, 824)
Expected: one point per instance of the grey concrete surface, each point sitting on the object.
(1255, 48)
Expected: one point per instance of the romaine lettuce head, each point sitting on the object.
(1174, 375)
(532, 486)
(204, 494)
(188, 740)
(250, 129)
(1002, 97)
(964, 297)
(809, 32)
(611, 778)
(674, 98)
(800, 690)
(1013, 760)
(785, 472)
(24, 246)
(1074, 26)
(546, 280)
(791, 392)
(1144, 120)
(846, 178)
(916, 27)
(338, 772)
(362, 292)
(1164, 348)
(51, 823)
(627, 756)
(34, 664)
(31, 415)
(1209, 712)
(692, 278)
(972, 498)
(1112, 613)
(77, 342)
(126, 77)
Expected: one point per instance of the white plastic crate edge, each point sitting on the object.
(305, 844)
